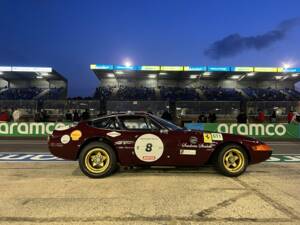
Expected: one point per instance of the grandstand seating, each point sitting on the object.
(293, 94)
(195, 94)
(20, 93)
(54, 93)
(30, 93)
(265, 94)
(103, 92)
(221, 94)
(176, 93)
(135, 93)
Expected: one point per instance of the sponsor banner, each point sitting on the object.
(28, 157)
(101, 67)
(287, 158)
(242, 69)
(194, 68)
(259, 130)
(29, 129)
(218, 68)
(150, 68)
(171, 68)
(289, 70)
(122, 67)
(266, 69)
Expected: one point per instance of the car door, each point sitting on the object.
(150, 144)
(193, 147)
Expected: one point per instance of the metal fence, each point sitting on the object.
(218, 107)
(281, 107)
(226, 109)
(148, 106)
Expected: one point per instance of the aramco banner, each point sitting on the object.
(29, 129)
(259, 130)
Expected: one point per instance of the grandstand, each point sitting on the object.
(191, 90)
(27, 88)
(29, 83)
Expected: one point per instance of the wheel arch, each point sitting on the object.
(219, 147)
(97, 139)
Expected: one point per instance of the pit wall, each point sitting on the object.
(274, 131)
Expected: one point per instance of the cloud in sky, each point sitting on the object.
(235, 44)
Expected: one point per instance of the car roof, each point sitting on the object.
(131, 113)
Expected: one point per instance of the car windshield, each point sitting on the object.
(166, 123)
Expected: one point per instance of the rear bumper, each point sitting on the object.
(68, 151)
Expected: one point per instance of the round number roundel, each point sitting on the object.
(148, 147)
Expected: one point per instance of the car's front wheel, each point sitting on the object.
(97, 160)
(232, 160)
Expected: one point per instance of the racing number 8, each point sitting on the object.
(148, 147)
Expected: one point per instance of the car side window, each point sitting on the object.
(134, 123)
(153, 125)
(106, 123)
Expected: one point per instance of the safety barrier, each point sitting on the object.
(258, 130)
(23, 129)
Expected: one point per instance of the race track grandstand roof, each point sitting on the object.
(29, 73)
(194, 72)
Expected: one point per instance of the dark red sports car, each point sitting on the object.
(142, 139)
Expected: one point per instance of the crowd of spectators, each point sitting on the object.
(265, 94)
(193, 94)
(135, 93)
(30, 93)
(54, 93)
(20, 93)
(221, 94)
(177, 93)
(293, 94)
(103, 92)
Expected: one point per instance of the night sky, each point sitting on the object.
(69, 35)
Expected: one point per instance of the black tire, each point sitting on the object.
(85, 163)
(222, 164)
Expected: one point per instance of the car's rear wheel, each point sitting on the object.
(232, 160)
(97, 160)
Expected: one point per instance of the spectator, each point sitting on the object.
(16, 115)
(85, 115)
(212, 117)
(166, 116)
(68, 116)
(202, 118)
(290, 116)
(4, 116)
(273, 117)
(45, 116)
(76, 117)
(261, 116)
(242, 118)
(37, 117)
(295, 118)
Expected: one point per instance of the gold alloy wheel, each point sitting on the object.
(233, 160)
(97, 160)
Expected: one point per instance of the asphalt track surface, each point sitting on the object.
(58, 193)
(40, 145)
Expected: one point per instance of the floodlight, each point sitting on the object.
(152, 76)
(235, 77)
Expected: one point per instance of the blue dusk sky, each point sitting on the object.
(69, 35)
